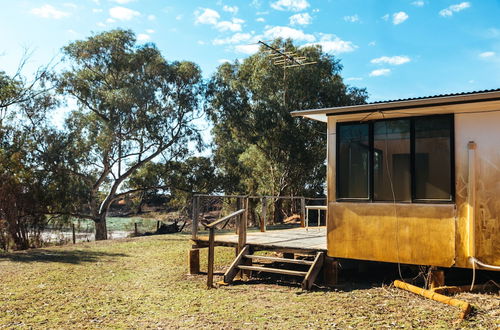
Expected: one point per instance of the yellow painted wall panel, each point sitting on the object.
(419, 234)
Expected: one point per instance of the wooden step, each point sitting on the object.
(273, 270)
(276, 259)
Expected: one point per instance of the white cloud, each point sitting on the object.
(211, 17)
(201, 42)
(150, 31)
(300, 19)
(332, 44)
(143, 37)
(101, 24)
(392, 60)
(151, 17)
(454, 9)
(178, 17)
(247, 49)
(290, 5)
(352, 18)
(70, 5)
(206, 16)
(234, 39)
(223, 60)
(380, 72)
(260, 19)
(48, 11)
(400, 17)
(354, 79)
(234, 25)
(122, 13)
(386, 17)
(418, 3)
(110, 20)
(230, 9)
(256, 3)
(372, 43)
(286, 32)
(122, 2)
(487, 54)
(96, 10)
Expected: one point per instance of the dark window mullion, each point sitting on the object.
(371, 162)
(412, 158)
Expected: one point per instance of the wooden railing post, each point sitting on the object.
(211, 256)
(74, 234)
(263, 219)
(242, 230)
(302, 211)
(194, 222)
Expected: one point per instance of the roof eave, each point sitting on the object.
(321, 114)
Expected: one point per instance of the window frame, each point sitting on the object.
(413, 200)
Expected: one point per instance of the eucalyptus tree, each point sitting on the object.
(258, 145)
(133, 107)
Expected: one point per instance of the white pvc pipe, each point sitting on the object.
(471, 201)
(477, 262)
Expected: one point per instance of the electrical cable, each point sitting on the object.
(393, 195)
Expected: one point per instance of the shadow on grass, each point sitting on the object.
(63, 256)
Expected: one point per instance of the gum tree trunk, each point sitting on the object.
(101, 231)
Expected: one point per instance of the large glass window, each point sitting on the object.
(353, 161)
(433, 158)
(405, 160)
(391, 166)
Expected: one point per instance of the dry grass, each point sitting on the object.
(142, 282)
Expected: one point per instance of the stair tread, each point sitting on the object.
(273, 270)
(276, 259)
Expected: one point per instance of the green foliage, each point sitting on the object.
(180, 179)
(134, 107)
(259, 147)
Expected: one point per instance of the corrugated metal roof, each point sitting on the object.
(390, 105)
(435, 96)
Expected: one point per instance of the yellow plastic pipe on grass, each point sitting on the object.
(464, 306)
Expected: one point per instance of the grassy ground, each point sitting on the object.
(142, 282)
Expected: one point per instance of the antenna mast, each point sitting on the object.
(286, 60)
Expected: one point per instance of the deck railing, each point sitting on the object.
(241, 200)
(242, 216)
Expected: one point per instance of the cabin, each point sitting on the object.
(410, 181)
(415, 181)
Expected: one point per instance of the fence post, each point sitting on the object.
(242, 232)
(74, 234)
(157, 225)
(135, 229)
(211, 255)
(263, 219)
(194, 222)
(302, 211)
(239, 206)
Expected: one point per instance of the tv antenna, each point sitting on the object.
(286, 60)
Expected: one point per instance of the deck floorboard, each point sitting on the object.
(297, 238)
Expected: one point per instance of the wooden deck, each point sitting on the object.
(299, 240)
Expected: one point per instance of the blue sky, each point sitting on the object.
(396, 49)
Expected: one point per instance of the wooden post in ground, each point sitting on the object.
(239, 206)
(302, 212)
(211, 257)
(242, 230)
(330, 271)
(263, 220)
(74, 234)
(157, 225)
(136, 232)
(194, 221)
(194, 261)
(436, 278)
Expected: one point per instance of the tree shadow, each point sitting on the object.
(62, 256)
